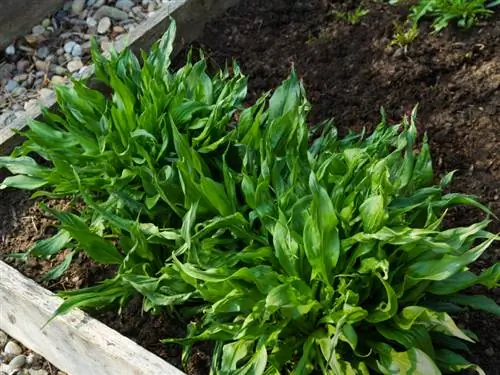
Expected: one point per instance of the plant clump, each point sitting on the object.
(297, 251)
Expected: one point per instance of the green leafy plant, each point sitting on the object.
(464, 12)
(353, 17)
(120, 150)
(296, 253)
(404, 34)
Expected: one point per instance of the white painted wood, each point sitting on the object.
(75, 343)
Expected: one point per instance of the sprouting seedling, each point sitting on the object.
(354, 16)
(404, 34)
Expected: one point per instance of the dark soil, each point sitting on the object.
(349, 72)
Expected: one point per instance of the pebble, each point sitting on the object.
(38, 30)
(58, 80)
(104, 25)
(10, 50)
(43, 52)
(77, 50)
(59, 70)
(68, 46)
(4, 368)
(18, 362)
(12, 348)
(22, 65)
(41, 65)
(111, 12)
(75, 65)
(91, 22)
(20, 77)
(78, 6)
(118, 29)
(124, 4)
(11, 86)
(3, 339)
(18, 91)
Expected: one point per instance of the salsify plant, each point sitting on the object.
(296, 253)
(465, 13)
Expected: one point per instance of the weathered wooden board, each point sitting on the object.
(75, 343)
(190, 16)
(17, 17)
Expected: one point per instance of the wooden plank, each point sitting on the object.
(19, 16)
(190, 16)
(75, 343)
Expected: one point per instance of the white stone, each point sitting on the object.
(104, 25)
(77, 50)
(12, 348)
(10, 50)
(77, 6)
(68, 46)
(75, 65)
(38, 30)
(91, 22)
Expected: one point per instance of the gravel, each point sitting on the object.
(60, 46)
(15, 359)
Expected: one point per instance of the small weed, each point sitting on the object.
(354, 16)
(404, 34)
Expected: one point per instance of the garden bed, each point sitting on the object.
(349, 72)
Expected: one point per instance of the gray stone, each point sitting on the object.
(22, 65)
(98, 3)
(111, 12)
(38, 30)
(10, 50)
(18, 91)
(68, 46)
(124, 4)
(77, 50)
(104, 25)
(41, 65)
(91, 22)
(10, 86)
(3, 339)
(75, 65)
(18, 362)
(20, 77)
(77, 6)
(6, 70)
(12, 347)
(43, 52)
(58, 69)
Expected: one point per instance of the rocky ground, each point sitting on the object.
(60, 46)
(17, 360)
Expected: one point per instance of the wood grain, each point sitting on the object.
(17, 17)
(75, 343)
